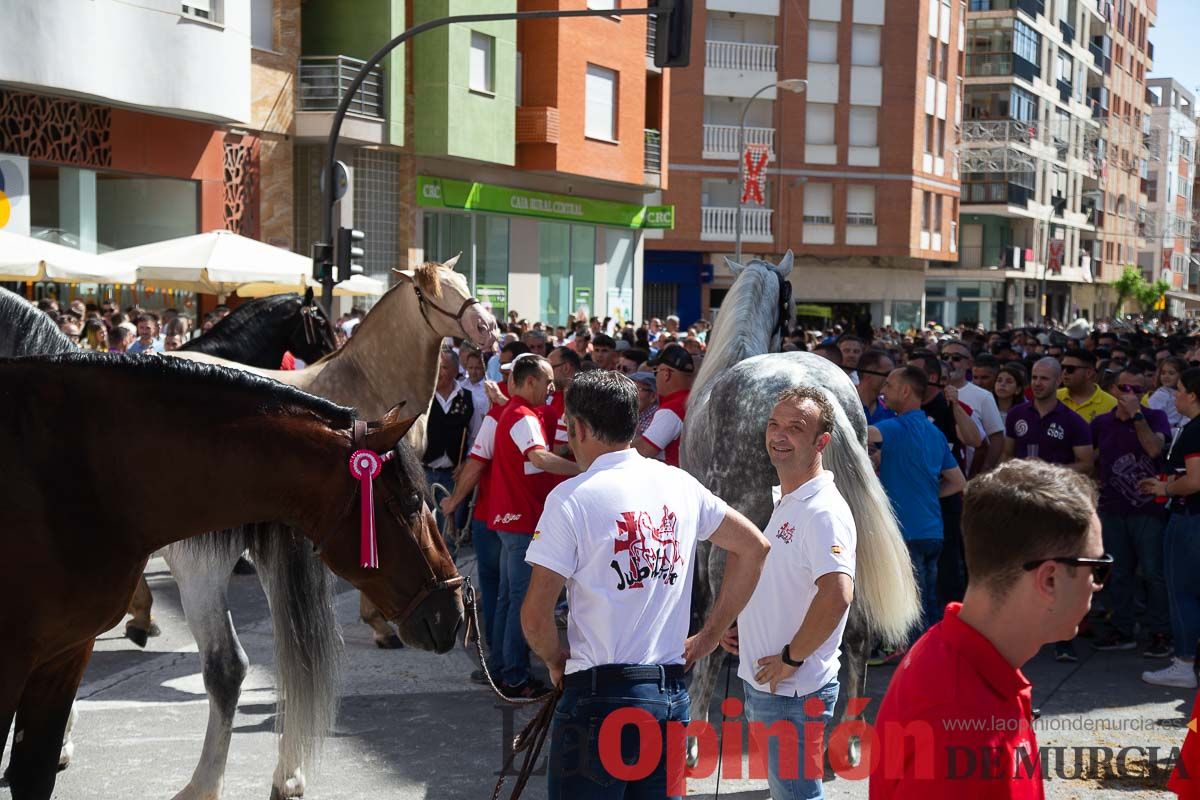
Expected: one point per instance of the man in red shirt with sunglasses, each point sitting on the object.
(957, 719)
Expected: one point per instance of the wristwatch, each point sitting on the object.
(787, 657)
(1138, 417)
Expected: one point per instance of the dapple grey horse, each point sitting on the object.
(724, 447)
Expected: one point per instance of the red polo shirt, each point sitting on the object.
(956, 722)
(666, 428)
(518, 489)
(482, 451)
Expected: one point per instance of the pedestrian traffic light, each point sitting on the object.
(349, 252)
(322, 261)
(673, 34)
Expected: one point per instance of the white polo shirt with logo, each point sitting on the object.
(624, 535)
(812, 534)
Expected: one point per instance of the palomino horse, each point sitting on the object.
(724, 446)
(392, 358)
(260, 451)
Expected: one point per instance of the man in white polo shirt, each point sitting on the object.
(789, 635)
(622, 537)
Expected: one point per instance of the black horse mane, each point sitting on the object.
(242, 330)
(179, 370)
(27, 329)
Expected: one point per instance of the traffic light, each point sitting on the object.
(349, 251)
(673, 35)
(322, 261)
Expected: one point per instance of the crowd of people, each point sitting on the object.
(104, 327)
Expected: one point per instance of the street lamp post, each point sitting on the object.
(796, 85)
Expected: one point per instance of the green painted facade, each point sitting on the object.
(449, 119)
(335, 27)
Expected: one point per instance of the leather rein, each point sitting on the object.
(432, 583)
(424, 303)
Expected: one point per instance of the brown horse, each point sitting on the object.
(261, 452)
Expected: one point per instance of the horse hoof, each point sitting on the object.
(389, 642)
(64, 756)
(137, 635)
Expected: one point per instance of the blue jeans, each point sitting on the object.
(487, 559)
(925, 553)
(1135, 540)
(1181, 554)
(767, 709)
(514, 582)
(575, 769)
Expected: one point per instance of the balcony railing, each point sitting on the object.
(860, 218)
(740, 56)
(324, 81)
(997, 131)
(718, 223)
(720, 141)
(651, 35)
(653, 151)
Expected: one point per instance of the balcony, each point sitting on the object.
(739, 69)
(324, 81)
(717, 224)
(997, 131)
(721, 141)
(653, 158)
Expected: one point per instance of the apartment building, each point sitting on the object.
(149, 131)
(1168, 223)
(528, 149)
(1031, 163)
(860, 178)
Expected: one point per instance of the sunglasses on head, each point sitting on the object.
(1101, 567)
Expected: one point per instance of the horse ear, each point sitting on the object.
(403, 275)
(784, 267)
(734, 267)
(388, 432)
(450, 262)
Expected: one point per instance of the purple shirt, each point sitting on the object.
(1055, 435)
(1121, 462)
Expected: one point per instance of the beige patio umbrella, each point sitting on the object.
(217, 262)
(356, 286)
(24, 258)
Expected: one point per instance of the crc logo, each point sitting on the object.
(660, 217)
(432, 191)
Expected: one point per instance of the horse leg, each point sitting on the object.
(385, 635)
(41, 721)
(203, 578)
(142, 626)
(710, 568)
(856, 649)
(68, 746)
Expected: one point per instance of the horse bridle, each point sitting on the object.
(423, 301)
(308, 313)
(432, 582)
(785, 303)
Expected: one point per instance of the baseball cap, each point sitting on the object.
(675, 357)
(508, 367)
(644, 377)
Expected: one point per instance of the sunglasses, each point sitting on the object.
(955, 357)
(1071, 369)
(1129, 388)
(1101, 567)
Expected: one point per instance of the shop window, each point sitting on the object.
(447, 235)
(566, 263)
(482, 78)
(619, 247)
(601, 100)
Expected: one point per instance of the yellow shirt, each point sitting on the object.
(1101, 402)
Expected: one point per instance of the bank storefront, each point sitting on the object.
(547, 256)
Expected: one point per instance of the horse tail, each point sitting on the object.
(308, 645)
(884, 583)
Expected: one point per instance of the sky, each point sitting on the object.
(1175, 36)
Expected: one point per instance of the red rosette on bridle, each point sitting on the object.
(365, 466)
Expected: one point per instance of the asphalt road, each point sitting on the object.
(412, 726)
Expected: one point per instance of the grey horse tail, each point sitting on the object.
(308, 645)
(884, 583)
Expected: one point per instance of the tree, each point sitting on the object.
(1130, 285)
(1150, 293)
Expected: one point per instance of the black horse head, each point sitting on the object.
(258, 333)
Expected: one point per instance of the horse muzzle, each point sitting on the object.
(435, 623)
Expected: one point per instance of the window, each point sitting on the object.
(860, 205)
(818, 203)
(482, 78)
(822, 42)
(864, 45)
(203, 9)
(933, 50)
(937, 212)
(944, 65)
(939, 141)
(819, 123)
(930, 133)
(262, 24)
(864, 126)
(1027, 43)
(601, 121)
(926, 211)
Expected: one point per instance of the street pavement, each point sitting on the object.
(411, 725)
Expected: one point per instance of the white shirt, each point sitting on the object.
(811, 534)
(981, 400)
(481, 404)
(624, 535)
(484, 445)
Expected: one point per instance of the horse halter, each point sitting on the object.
(432, 582)
(423, 301)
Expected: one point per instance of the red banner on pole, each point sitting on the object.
(755, 160)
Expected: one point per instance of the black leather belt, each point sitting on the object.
(623, 673)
